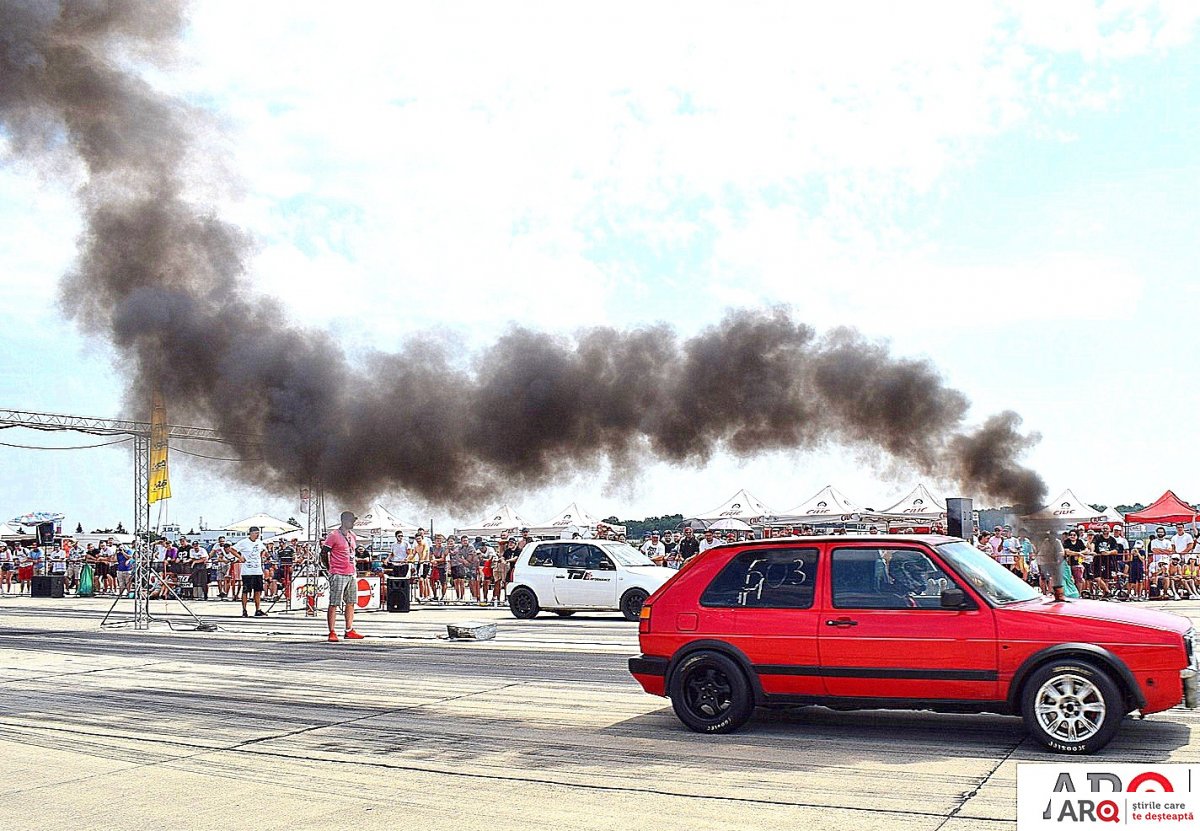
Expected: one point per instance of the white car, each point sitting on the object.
(568, 576)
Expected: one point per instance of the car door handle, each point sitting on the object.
(842, 621)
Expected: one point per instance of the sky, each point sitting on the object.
(1008, 190)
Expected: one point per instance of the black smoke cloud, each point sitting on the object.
(166, 279)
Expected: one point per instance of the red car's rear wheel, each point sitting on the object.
(710, 693)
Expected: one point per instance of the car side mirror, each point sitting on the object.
(953, 598)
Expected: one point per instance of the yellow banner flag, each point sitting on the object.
(160, 480)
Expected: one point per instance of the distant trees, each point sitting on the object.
(638, 528)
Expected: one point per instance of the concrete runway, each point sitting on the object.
(265, 726)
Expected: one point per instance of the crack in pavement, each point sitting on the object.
(971, 794)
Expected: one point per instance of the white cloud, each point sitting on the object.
(474, 151)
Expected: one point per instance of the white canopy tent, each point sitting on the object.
(1112, 516)
(296, 535)
(9, 533)
(1067, 509)
(827, 505)
(379, 520)
(572, 518)
(920, 503)
(502, 519)
(265, 522)
(742, 505)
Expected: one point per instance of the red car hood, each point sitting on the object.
(1097, 610)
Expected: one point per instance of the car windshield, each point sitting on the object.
(627, 555)
(986, 575)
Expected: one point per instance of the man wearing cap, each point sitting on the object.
(688, 546)
(1137, 571)
(655, 550)
(343, 579)
(249, 553)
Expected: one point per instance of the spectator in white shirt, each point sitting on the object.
(400, 554)
(655, 550)
(709, 541)
(1161, 549)
(1184, 542)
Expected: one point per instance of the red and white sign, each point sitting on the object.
(1107, 796)
(369, 595)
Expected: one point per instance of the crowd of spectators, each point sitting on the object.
(1103, 564)
(1100, 563)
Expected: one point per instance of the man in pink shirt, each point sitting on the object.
(343, 580)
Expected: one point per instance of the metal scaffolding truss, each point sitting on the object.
(113, 427)
(140, 431)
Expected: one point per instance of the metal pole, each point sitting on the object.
(141, 524)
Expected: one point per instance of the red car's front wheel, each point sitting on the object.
(1072, 706)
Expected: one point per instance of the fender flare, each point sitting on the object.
(1087, 651)
(724, 648)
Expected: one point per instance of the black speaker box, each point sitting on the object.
(397, 595)
(46, 585)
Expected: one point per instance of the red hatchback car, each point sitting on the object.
(911, 622)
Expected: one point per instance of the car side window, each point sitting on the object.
(886, 578)
(597, 560)
(765, 578)
(575, 555)
(543, 555)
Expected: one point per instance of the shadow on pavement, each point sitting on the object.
(881, 734)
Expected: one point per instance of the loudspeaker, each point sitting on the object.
(46, 585)
(397, 595)
(45, 533)
(959, 521)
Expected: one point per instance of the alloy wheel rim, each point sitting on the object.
(708, 692)
(1070, 707)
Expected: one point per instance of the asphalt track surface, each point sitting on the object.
(262, 725)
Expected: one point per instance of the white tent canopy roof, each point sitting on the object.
(920, 503)
(742, 505)
(8, 532)
(379, 520)
(503, 518)
(295, 535)
(1067, 508)
(571, 517)
(1113, 515)
(829, 503)
(267, 523)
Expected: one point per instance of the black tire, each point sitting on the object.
(710, 693)
(564, 613)
(1085, 714)
(631, 603)
(523, 603)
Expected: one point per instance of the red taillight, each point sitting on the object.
(644, 620)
